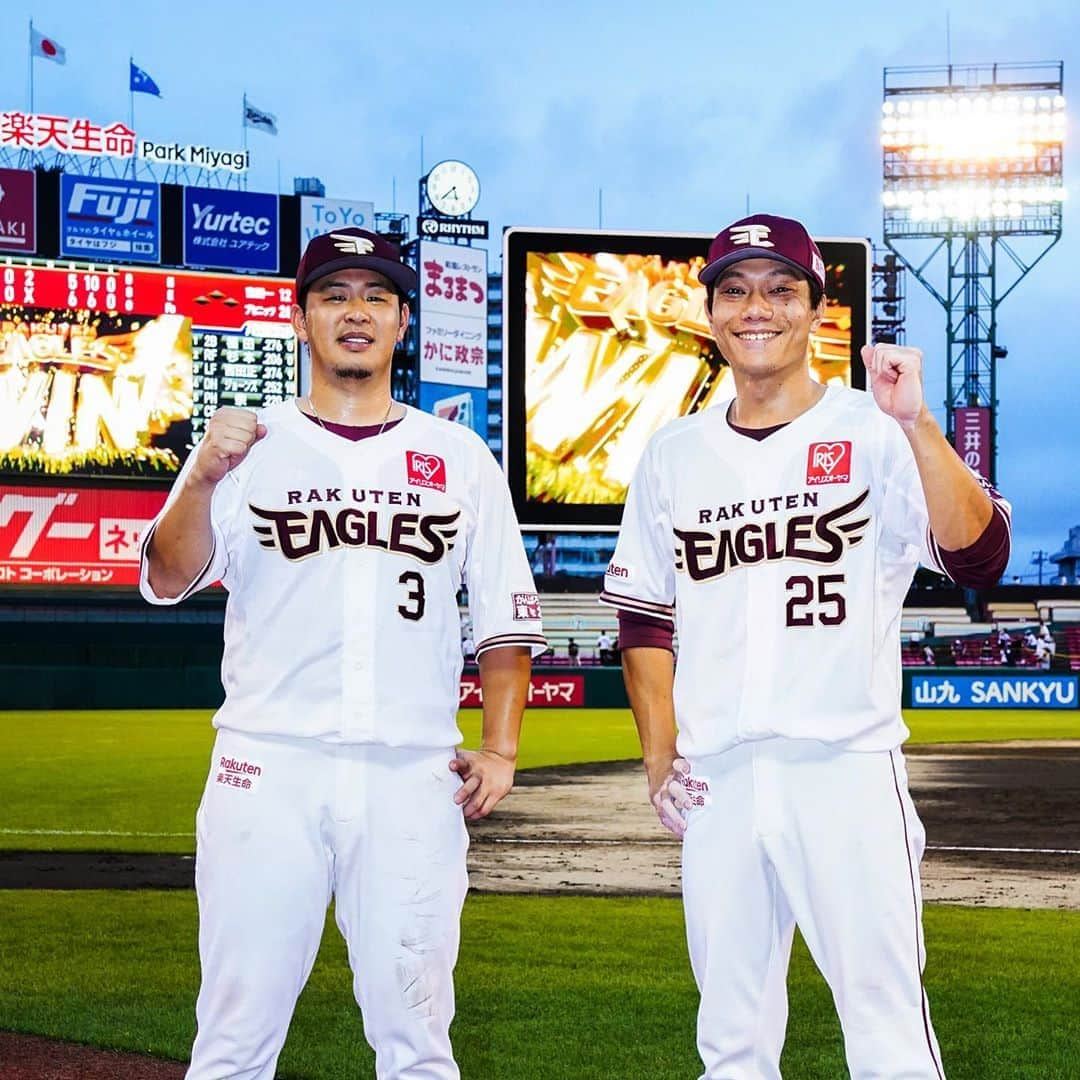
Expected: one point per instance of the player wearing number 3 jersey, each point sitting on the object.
(343, 526)
(779, 535)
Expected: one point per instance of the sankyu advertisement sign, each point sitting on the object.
(76, 135)
(103, 218)
(76, 536)
(18, 211)
(230, 230)
(319, 215)
(453, 314)
(994, 691)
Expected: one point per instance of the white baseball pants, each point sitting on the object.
(284, 824)
(798, 832)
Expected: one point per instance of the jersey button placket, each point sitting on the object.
(358, 646)
(760, 627)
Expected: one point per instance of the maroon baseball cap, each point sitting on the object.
(763, 236)
(349, 249)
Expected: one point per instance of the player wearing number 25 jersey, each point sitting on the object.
(780, 535)
(343, 526)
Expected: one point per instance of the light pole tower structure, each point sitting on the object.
(972, 191)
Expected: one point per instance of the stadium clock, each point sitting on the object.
(453, 188)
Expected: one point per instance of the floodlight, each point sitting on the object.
(972, 163)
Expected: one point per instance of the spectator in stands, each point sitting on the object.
(957, 650)
(605, 648)
(928, 655)
(1043, 655)
(1016, 646)
(572, 651)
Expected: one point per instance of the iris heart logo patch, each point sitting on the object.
(829, 463)
(425, 470)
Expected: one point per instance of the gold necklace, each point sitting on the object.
(382, 426)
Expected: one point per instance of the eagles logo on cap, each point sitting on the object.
(354, 245)
(764, 236)
(349, 249)
(754, 235)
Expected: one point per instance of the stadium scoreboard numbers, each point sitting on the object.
(105, 367)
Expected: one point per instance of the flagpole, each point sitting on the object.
(131, 111)
(243, 122)
(30, 53)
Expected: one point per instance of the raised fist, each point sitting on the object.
(229, 436)
(894, 375)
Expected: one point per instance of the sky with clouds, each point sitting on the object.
(680, 114)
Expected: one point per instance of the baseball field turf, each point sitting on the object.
(548, 987)
(130, 781)
(552, 987)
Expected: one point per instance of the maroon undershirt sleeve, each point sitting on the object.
(981, 564)
(645, 631)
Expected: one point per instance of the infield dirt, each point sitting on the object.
(590, 829)
(1002, 821)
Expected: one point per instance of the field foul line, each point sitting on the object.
(569, 842)
(605, 842)
(1006, 850)
(77, 832)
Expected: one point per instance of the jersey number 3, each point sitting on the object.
(831, 607)
(413, 608)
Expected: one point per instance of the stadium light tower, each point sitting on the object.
(972, 177)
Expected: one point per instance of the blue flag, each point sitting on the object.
(141, 83)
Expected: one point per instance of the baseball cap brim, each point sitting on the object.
(714, 269)
(402, 275)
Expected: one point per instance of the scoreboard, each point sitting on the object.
(606, 339)
(115, 371)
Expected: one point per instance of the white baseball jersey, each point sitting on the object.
(343, 561)
(784, 564)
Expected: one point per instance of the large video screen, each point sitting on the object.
(108, 371)
(606, 339)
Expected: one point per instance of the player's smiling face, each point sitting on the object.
(351, 321)
(762, 318)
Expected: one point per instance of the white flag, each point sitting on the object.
(261, 121)
(46, 48)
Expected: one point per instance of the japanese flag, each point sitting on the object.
(46, 48)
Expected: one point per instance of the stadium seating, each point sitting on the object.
(1005, 611)
(951, 621)
(1060, 610)
(1072, 647)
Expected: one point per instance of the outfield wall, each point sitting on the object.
(138, 677)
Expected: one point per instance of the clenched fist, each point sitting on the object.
(894, 373)
(229, 436)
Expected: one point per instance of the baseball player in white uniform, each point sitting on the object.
(343, 526)
(780, 535)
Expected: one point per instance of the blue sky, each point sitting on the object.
(677, 112)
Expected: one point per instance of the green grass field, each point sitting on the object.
(548, 987)
(130, 781)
